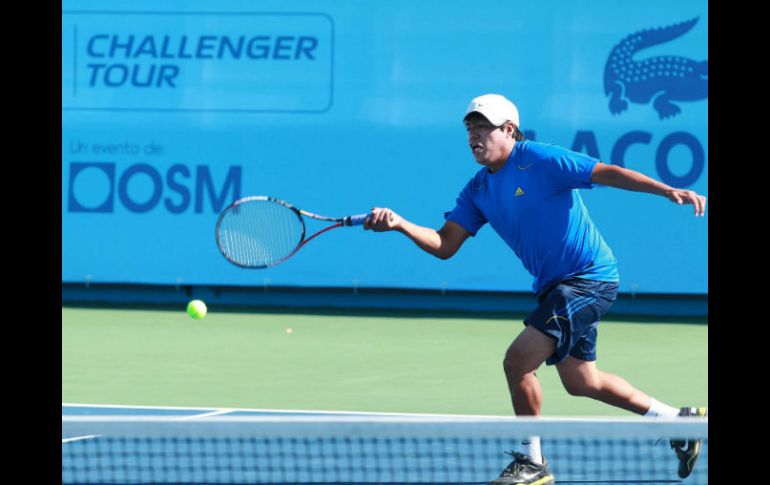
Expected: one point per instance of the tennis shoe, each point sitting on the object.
(524, 471)
(687, 451)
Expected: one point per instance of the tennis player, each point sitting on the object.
(527, 192)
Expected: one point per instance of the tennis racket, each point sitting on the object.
(261, 231)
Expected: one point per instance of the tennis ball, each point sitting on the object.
(196, 309)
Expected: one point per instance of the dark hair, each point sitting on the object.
(517, 134)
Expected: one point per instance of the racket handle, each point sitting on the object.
(356, 220)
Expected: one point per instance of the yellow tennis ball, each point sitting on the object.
(196, 309)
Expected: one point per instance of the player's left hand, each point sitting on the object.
(680, 197)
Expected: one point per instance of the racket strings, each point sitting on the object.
(258, 233)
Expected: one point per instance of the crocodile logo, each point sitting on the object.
(661, 79)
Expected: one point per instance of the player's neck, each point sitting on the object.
(497, 166)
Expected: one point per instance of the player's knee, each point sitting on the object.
(512, 367)
(579, 387)
(574, 389)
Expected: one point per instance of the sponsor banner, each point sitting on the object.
(169, 114)
(196, 61)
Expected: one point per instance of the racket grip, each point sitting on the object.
(356, 220)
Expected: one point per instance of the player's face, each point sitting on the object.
(489, 144)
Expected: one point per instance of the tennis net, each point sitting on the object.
(369, 449)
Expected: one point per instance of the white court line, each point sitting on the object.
(205, 415)
(129, 406)
(78, 438)
(288, 411)
(183, 418)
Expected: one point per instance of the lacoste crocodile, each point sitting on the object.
(662, 78)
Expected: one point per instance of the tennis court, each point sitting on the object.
(136, 363)
(350, 362)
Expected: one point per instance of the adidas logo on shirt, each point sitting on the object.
(519, 192)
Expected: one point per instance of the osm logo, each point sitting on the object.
(101, 187)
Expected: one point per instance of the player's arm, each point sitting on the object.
(623, 178)
(442, 243)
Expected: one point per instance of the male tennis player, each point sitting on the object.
(527, 192)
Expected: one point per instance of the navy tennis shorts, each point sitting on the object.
(569, 312)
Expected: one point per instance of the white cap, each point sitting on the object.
(496, 108)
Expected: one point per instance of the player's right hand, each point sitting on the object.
(382, 219)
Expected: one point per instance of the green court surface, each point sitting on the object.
(352, 361)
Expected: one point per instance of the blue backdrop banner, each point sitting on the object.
(171, 112)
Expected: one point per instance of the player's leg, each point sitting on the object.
(577, 368)
(582, 378)
(525, 354)
(528, 351)
(586, 302)
(565, 310)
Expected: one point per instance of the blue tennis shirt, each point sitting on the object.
(533, 204)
